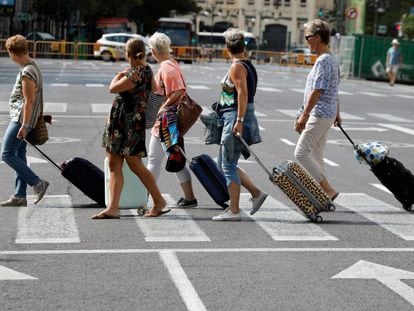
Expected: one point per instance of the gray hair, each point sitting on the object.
(234, 40)
(319, 27)
(160, 42)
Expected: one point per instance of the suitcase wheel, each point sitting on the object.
(408, 207)
(141, 210)
(315, 218)
(331, 207)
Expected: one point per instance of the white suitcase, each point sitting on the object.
(134, 193)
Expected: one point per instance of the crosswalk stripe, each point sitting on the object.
(259, 114)
(398, 128)
(101, 108)
(176, 226)
(198, 87)
(288, 112)
(373, 94)
(389, 117)
(298, 90)
(51, 221)
(391, 218)
(4, 106)
(382, 187)
(269, 89)
(344, 115)
(206, 110)
(283, 223)
(345, 93)
(94, 85)
(55, 107)
(287, 142)
(329, 162)
(404, 96)
(59, 84)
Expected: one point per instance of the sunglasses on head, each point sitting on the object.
(308, 37)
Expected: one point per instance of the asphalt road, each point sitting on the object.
(53, 257)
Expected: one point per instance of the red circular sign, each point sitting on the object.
(351, 13)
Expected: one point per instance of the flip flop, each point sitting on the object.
(104, 216)
(152, 213)
(335, 196)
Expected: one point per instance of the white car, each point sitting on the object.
(111, 46)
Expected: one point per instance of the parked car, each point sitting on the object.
(44, 36)
(111, 46)
(298, 56)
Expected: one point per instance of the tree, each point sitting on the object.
(408, 26)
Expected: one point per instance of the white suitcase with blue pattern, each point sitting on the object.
(134, 193)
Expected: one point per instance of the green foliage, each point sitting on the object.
(408, 26)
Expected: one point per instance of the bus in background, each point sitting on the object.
(180, 31)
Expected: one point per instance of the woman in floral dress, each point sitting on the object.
(124, 135)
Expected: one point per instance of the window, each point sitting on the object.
(266, 2)
(287, 2)
(303, 3)
(251, 2)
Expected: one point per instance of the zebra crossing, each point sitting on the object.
(53, 221)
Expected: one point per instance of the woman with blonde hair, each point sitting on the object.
(124, 135)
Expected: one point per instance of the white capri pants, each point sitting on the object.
(311, 145)
(156, 156)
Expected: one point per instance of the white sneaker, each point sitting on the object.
(227, 215)
(257, 202)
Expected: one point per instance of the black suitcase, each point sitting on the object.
(393, 175)
(86, 176)
(212, 179)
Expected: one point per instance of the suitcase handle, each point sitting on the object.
(44, 155)
(254, 155)
(355, 146)
(347, 136)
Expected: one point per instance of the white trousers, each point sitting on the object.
(156, 156)
(311, 146)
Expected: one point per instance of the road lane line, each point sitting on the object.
(51, 221)
(176, 226)
(398, 128)
(389, 117)
(181, 281)
(283, 223)
(391, 218)
(381, 187)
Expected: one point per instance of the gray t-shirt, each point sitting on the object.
(16, 100)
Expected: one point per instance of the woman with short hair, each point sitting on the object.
(26, 106)
(320, 108)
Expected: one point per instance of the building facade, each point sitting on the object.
(278, 24)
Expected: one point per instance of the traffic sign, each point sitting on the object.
(351, 13)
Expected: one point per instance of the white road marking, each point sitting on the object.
(198, 87)
(259, 114)
(398, 128)
(363, 129)
(288, 112)
(59, 84)
(391, 218)
(389, 117)
(7, 274)
(345, 93)
(283, 223)
(100, 108)
(206, 110)
(373, 94)
(298, 90)
(176, 226)
(329, 162)
(287, 142)
(404, 96)
(55, 107)
(269, 89)
(47, 222)
(381, 187)
(348, 116)
(4, 106)
(94, 85)
(181, 281)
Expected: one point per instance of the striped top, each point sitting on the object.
(16, 100)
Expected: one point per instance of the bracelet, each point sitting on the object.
(240, 120)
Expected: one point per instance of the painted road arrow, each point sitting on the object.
(390, 277)
(7, 274)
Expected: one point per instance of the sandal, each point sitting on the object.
(154, 213)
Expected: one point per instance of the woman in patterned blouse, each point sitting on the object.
(320, 109)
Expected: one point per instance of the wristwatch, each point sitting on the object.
(240, 120)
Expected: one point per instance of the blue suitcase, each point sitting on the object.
(212, 179)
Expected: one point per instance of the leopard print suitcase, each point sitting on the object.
(302, 189)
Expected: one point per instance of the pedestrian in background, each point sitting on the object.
(236, 110)
(26, 105)
(320, 109)
(124, 134)
(394, 59)
(170, 83)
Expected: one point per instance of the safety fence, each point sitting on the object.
(187, 54)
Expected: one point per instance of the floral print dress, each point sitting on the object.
(124, 132)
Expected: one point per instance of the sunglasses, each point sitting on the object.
(308, 37)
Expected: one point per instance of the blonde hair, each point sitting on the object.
(160, 42)
(135, 48)
(319, 27)
(17, 45)
(234, 40)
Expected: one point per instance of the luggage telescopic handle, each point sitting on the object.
(44, 155)
(347, 136)
(254, 155)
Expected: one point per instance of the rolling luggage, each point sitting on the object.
(134, 193)
(300, 187)
(212, 179)
(86, 176)
(393, 175)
